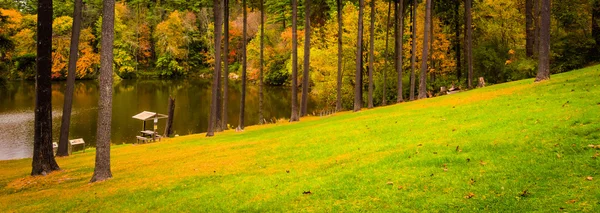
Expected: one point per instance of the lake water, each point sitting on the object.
(130, 97)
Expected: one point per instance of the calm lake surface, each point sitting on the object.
(130, 97)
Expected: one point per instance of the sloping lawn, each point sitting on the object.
(514, 147)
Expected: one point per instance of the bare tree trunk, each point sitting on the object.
(225, 67)
(431, 40)
(212, 120)
(262, 63)
(338, 105)
(469, 45)
(385, 58)
(305, 75)
(596, 27)
(544, 66)
(399, 53)
(218, 116)
(413, 51)
(295, 113)
(371, 54)
(63, 149)
(536, 20)
(102, 169)
(359, 59)
(457, 37)
(171, 108)
(424, 68)
(529, 28)
(43, 156)
(244, 65)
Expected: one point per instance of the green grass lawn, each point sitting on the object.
(514, 147)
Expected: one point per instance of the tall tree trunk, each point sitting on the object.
(284, 26)
(544, 66)
(225, 66)
(536, 20)
(529, 28)
(43, 156)
(262, 47)
(63, 149)
(431, 50)
(385, 58)
(469, 44)
(359, 59)
(212, 120)
(399, 53)
(305, 74)
(244, 65)
(338, 105)
(457, 38)
(102, 169)
(371, 53)
(219, 119)
(295, 113)
(424, 68)
(596, 28)
(413, 60)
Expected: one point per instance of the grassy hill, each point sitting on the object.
(520, 146)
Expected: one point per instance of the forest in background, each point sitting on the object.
(169, 39)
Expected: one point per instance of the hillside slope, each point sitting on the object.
(520, 146)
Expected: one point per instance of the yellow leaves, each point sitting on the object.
(14, 20)
(25, 42)
(440, 56)
(170, 36)
(88, 59)
(61, 42)
(589, 178)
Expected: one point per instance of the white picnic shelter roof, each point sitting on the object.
(147, 116)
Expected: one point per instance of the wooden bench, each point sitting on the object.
(140, 138)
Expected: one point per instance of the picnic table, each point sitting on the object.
(149, 135)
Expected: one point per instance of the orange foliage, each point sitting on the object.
(61, 41)
(145, 45)
(14, 21)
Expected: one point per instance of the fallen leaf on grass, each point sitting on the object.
(571, 201)
(589, 178)
(390, 183)
(482, 163)
(524, 193)
(596, 155)
(472, 181)
(307, 192)
(400, 187)
(470, 195)
(594, 146)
